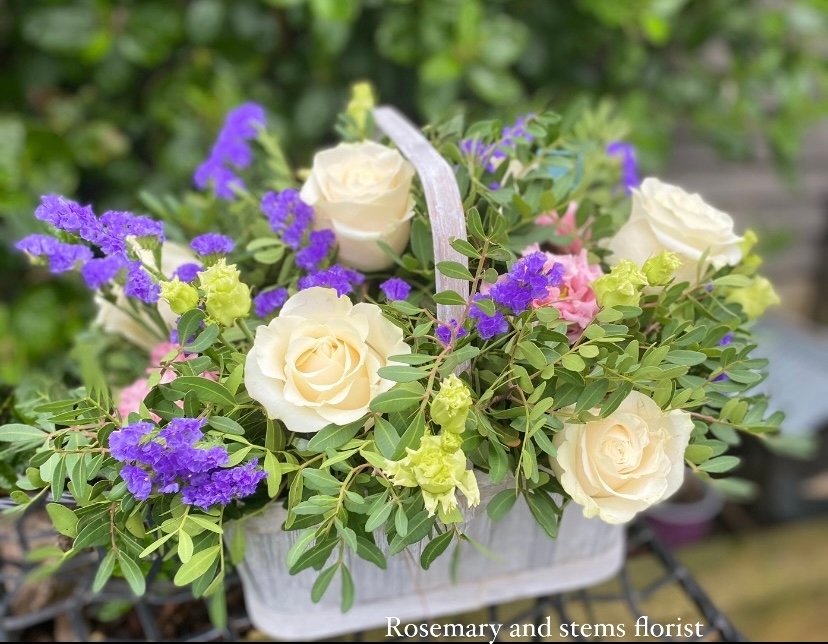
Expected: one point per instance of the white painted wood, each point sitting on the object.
(528, 564)
(445, 208)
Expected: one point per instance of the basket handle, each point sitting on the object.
(445, 207)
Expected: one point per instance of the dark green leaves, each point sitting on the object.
(206, 390)
(333, 436)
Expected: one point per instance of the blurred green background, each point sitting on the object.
(100, 99)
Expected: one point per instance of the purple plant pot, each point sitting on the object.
(679, 522)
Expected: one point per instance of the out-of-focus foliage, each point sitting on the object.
(103, 98)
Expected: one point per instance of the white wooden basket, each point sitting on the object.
(528, 563)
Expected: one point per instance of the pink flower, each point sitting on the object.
(574, 299)
(566, 226)
(131, 396)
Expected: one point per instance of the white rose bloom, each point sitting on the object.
(316, 363)
(114, 318)
(362, 191)
(618, 466)
(667, 217)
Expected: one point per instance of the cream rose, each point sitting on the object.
(362, 191)
(623, 464)
(114, 318)
(666, 217)
(317, 362)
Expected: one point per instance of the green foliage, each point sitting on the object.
(104, 99)
(345, 487)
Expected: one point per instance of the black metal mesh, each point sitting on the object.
(64, 607)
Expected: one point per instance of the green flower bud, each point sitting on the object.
(755, 298)
(450, 407)
(438, 473)
(748, 242)
(659, 269)
(450, 441)
(181, 296)
(227, 297)
(361, 103)
(621, 286)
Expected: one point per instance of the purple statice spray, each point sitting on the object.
(188, 272)
(288, 215)
(527, 280)
(488, 326)
(68, 216)
(267, 302)
(342, 280)
(395, 289)
(491, 155)
(445, 332)
(177, 459)
(62, 257)
(102, 270)
(319, 245)
(629, 164)
(212, 244)
(231, 149)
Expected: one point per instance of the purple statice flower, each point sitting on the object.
(224, 486)
(488, 326)
(319, 245)
(68, 256)
(342, 280)
(113, 233)
(176, 459)
(727, 339)
(62, 257)
(629, 165)
(224, 181)
(212, 244)
(478, 151)
(127, 443)
(527, 280)
(491, 155)
(231, 149)
(138, 481)
(69, 216)
(37, 245)
(117, 225)
(97, 272)
(265, 303)
(288, 215)
(140, 285)
(395, 289)
(182, 432)
(141, 226)
(444, 332)
(188, 272)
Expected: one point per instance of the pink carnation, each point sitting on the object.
(566, 226)
(131, 397)
(574, 299)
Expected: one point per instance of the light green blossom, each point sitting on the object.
(438, 472)
(450, 406)
(749, 240)
(755, 298)
(181, 296)
(621, 286)
(361, 103)
(227, 297)
(659, 269)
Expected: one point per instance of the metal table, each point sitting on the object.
(166, 613)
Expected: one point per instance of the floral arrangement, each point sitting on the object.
(283, 345)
